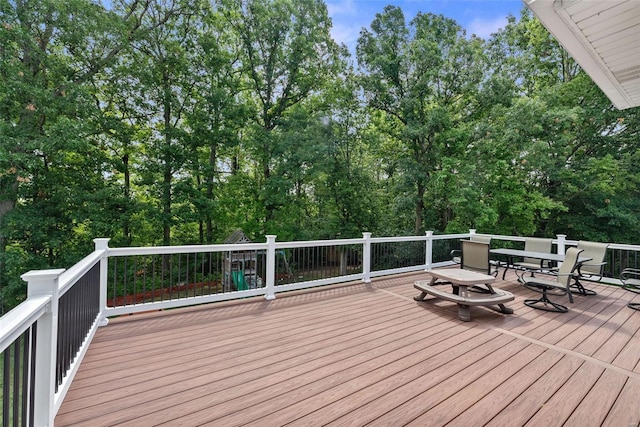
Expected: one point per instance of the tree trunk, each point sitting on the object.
(210, 196)
(343, 261)
(419, 208)
(6, 206)
(168, 162)
(268, 204)
(126, 223)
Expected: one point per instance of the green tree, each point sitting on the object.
(421, 78)
(166, 87)
(52, 192)
(288, 54)
(571, 144)
(346, 191)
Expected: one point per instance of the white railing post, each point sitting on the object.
(429, 250)
(366, 257)
(102, 245)
(472, 231)
(271, 267)
(45, 282)
(561, 243)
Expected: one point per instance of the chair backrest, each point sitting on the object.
(597, 252)
(537, 244)
(480, 238)
(475, 256)
(568, 266)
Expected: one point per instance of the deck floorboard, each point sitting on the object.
(364, 354)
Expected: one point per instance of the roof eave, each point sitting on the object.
(557, 22)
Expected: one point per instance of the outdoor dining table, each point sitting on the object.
(510, 254)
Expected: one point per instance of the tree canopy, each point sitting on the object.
(179, 121)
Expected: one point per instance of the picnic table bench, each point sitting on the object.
(461, 280)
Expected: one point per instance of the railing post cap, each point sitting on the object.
(271, 239)
(101, 242)
(42, 275)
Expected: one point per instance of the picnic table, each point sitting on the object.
(461, 280)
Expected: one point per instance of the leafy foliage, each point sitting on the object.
(179, 121)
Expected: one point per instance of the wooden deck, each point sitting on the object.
(365, 354)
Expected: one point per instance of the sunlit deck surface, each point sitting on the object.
(365, 353)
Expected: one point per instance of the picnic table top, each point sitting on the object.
(460, 276)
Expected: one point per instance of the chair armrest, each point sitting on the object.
(456, 254)
(593, 264)
(630, 278)
(629, 273)
(588, 264)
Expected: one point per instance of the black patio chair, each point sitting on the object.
(630, 278)
(562, 282)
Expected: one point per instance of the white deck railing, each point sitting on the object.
(43, 340)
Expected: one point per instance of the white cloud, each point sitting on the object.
(485, 27)
(347, 34)
(348, 20)
(338, 8)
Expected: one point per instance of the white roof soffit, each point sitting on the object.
(603, 36)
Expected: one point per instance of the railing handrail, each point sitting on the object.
(71, 276)
(315, 243)
(398, 239)
(21, 318)
(186, 249)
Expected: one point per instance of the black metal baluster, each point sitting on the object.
(26, 384)
(16, 380)
(32, 369)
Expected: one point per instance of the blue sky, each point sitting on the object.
(480, 17)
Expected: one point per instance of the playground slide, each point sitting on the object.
(239, 281)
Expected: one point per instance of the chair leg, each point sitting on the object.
(544, 303)
(631, 288)
(582, 290)
(634, 305)
(556, 292)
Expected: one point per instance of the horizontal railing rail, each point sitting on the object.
(21, 318)
(18, 334)
(43, 340)
(27, 354)
(79, 314)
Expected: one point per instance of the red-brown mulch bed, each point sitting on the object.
(162, 293)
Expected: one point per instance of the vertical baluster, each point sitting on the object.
(125, 281)
(187, 270)
(115, 280)
(6, 385)
(26, 376)
(135, 279)
(143, 278)
(15, 407)
(153, 277)
(32, 371)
